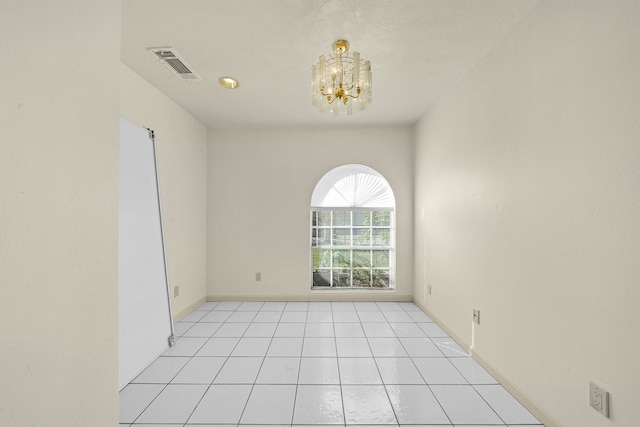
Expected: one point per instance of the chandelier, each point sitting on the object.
(340, 81)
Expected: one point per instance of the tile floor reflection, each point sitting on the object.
(313, 364)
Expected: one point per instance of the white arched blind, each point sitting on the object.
(352, 186)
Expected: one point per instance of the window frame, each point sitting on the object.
(370, 247)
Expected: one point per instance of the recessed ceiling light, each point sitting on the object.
(228, 82)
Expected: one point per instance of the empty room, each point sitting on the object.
(309, 213)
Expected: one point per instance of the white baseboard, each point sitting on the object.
(320, 296)
(515, 391)
(179, 316)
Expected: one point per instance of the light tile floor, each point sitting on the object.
(316, 363)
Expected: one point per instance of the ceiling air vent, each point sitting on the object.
(169, 57)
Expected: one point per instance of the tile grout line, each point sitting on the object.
(220, 370)
(488, 404)
(295, 395)
(167, 384)
(335, 340)
(225, 362)
(384, 386)
(246, 403)
(425, 380)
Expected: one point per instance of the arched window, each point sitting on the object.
(352, 230)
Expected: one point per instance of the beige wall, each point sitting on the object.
(259, 195)
(59, 213)
(181, 141)
(527, 206)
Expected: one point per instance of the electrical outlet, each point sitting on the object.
(176, 291)
(476, 316)
(258, 277)
(429, 289)
(599, 399)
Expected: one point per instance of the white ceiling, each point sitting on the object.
(417, 48)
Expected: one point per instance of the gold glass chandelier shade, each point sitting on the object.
(341, 82)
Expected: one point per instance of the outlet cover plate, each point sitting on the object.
(599, 399)
(476, 316)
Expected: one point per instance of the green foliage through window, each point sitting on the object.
(351, 249)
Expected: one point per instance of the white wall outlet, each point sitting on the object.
(599, 399)
(176, 291)
(476, 316)
(258, 277)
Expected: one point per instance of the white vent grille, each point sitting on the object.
(169, 57)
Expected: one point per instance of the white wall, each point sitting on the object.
(59, 213)
(259, 195)
(181, 142)
(528, 174)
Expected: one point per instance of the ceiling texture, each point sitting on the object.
(418, 50)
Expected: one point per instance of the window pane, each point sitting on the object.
(356, 265)
(381, 237)
(324, 218)
(341, 218)
(361, 259)
(380, 278)
(342, 237)
(321, 258)
(362, 218)
(382, 218)
(342, 258)
(342, 278)
(322, 278)
(362, 278)
(320, 237)
(361, 236)
(381, 259)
